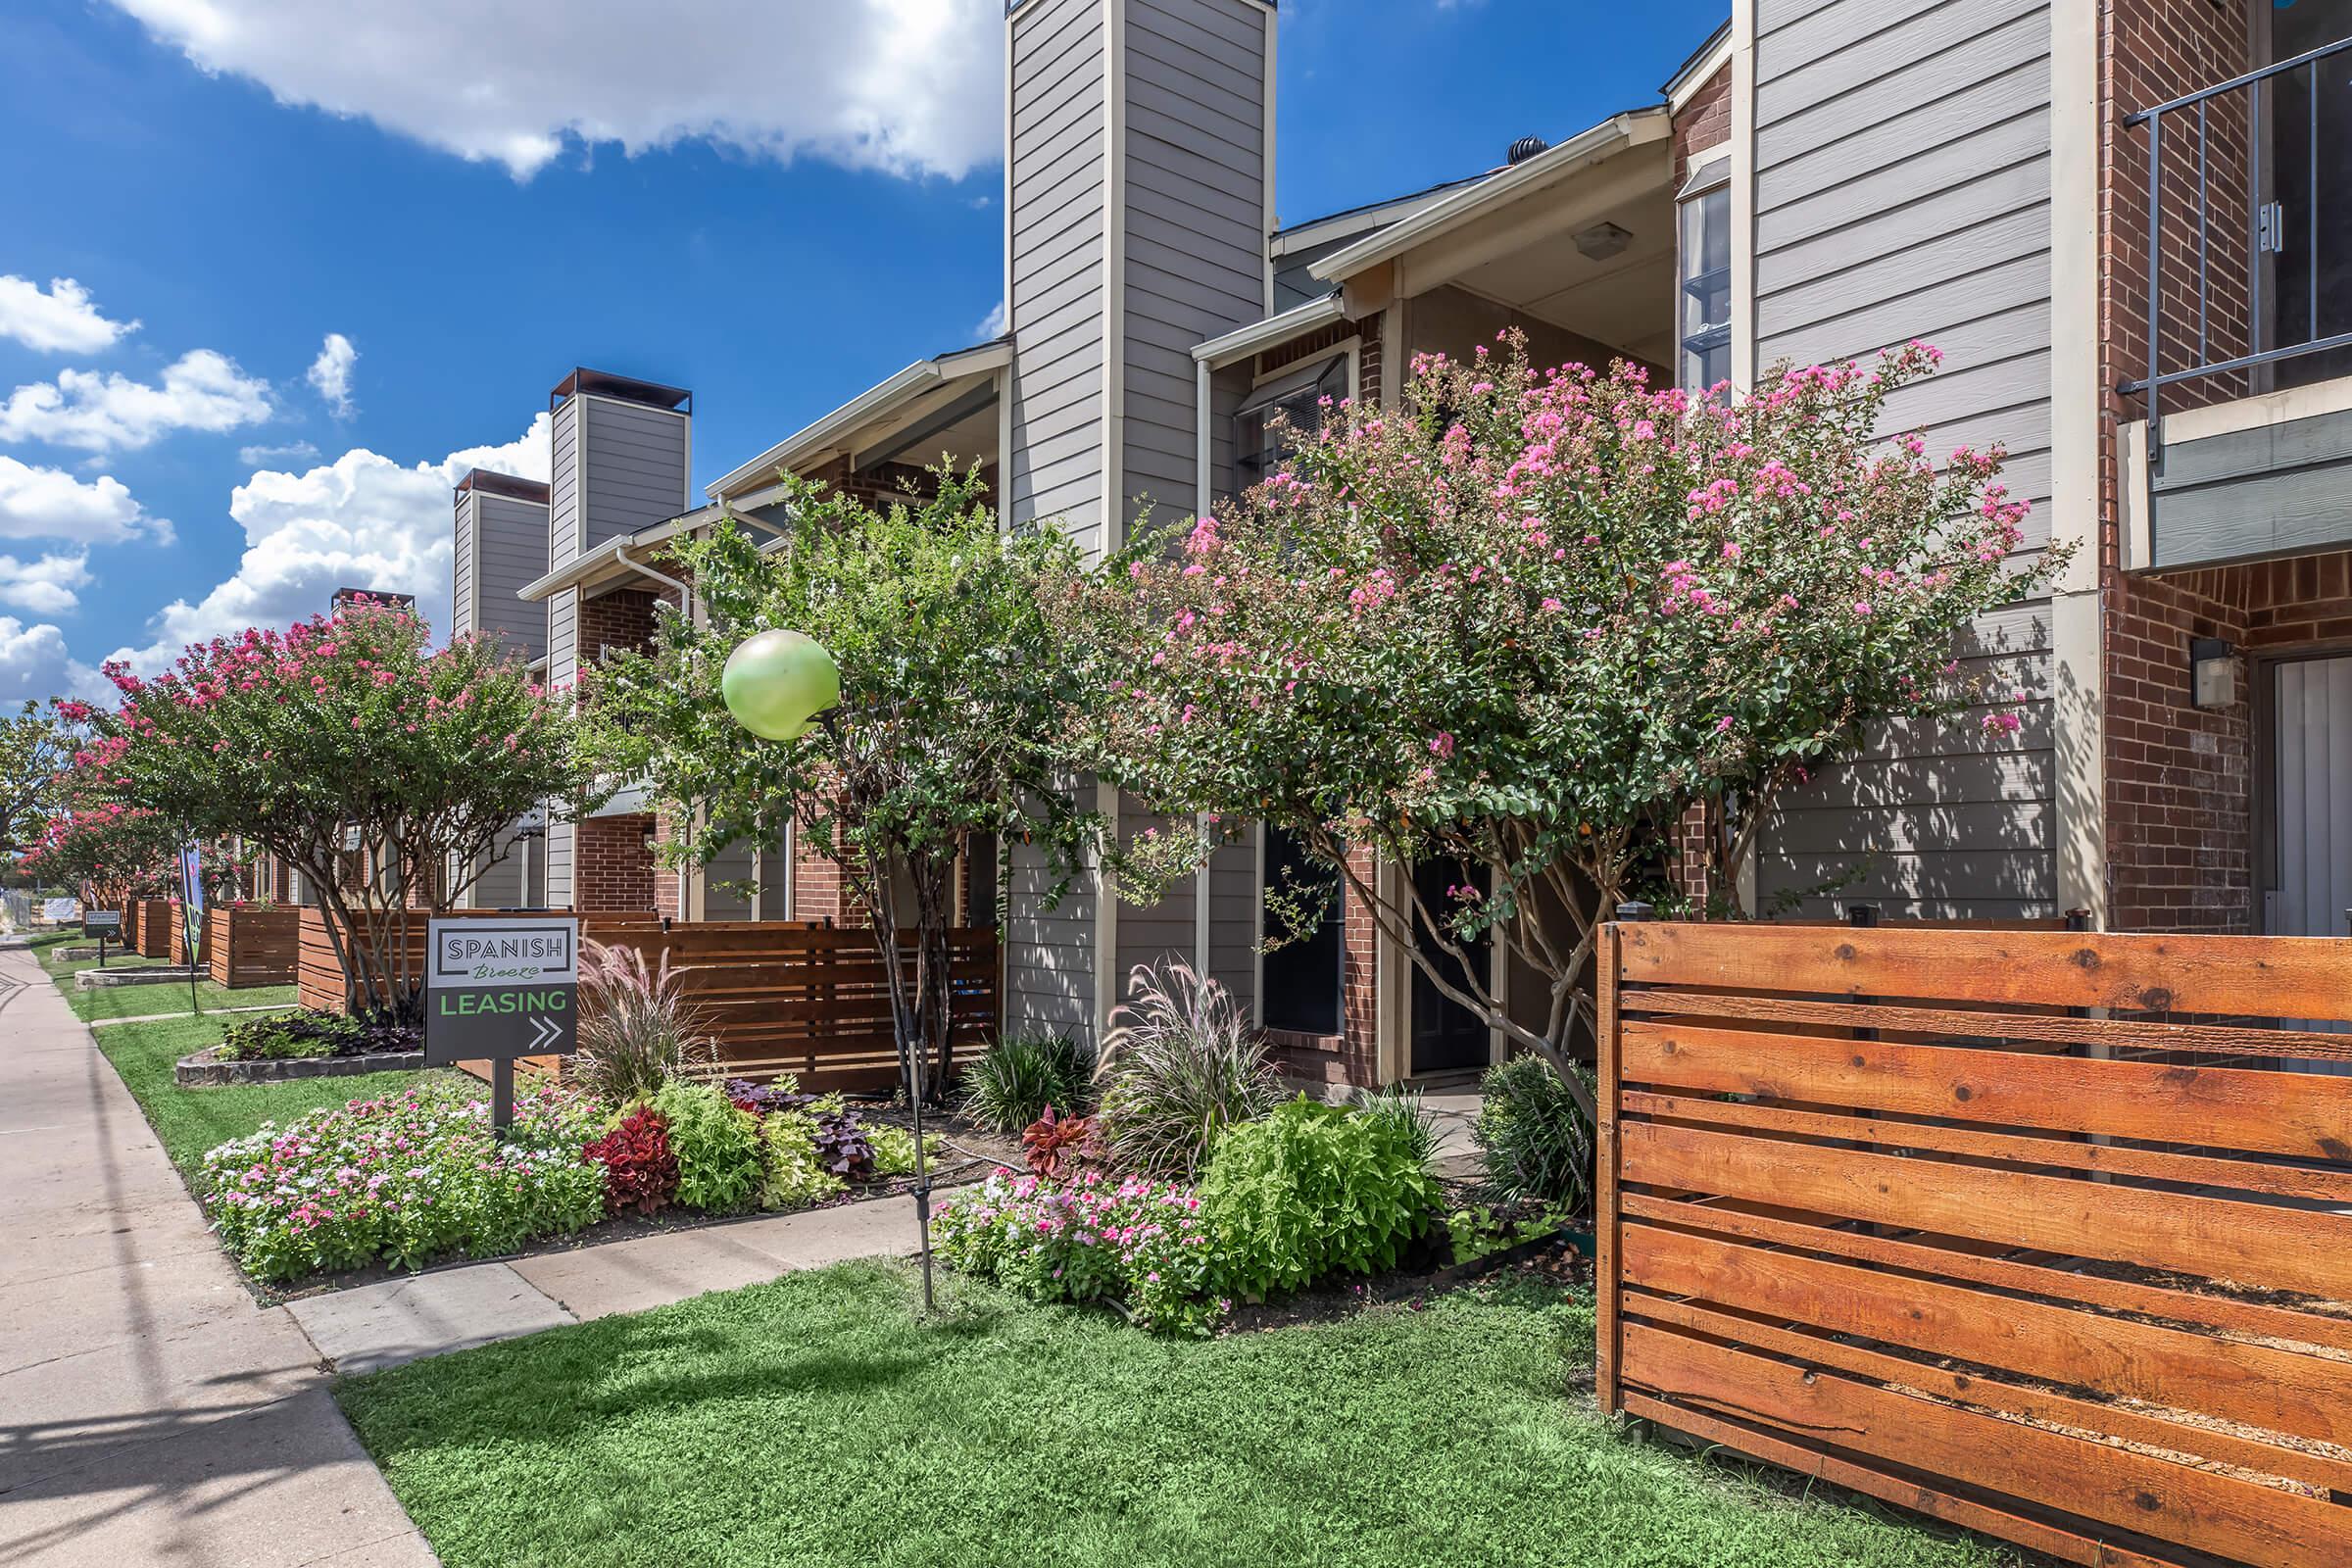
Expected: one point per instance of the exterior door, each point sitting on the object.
(2311, 722)
(1447, 1037)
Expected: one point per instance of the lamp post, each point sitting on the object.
(774, 685)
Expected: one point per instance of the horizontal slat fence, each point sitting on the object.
(803, 998)
(156, 919)
(320, 976)
(252, 944)
(2045, 1233)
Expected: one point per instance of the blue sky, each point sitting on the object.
(475, 195)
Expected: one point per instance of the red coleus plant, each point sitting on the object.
(1058, 1146)
(641, 1171)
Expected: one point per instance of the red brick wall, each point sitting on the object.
(1351, 1057)
(1703, 123)
(2180, 780)
(816, 891)
(620, 619)
(613, 871)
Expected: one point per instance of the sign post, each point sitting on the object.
(102, 924)
(494, 990)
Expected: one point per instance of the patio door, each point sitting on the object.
(2310, 727)
(1446, 1037)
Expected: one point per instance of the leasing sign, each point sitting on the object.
(494, 990)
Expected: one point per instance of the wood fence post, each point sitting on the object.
(1607, 1331)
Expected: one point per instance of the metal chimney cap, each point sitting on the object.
(1526, 147)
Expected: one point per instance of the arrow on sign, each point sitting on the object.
(544, 1033)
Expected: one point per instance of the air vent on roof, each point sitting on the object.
(1526, 147)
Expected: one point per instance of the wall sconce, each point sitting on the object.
(2212, 672)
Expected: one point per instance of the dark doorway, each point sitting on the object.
(1447, 1037)
(1303, 974)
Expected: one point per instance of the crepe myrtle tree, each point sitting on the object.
(347, 727)
(1523, 623)
(952, 691)
(36, 750)
(108, 854)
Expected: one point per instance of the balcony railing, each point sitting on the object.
(2219, 137)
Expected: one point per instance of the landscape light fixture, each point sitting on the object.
(774, 685)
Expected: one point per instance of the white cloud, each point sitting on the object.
(992, 325)
(909, 87)
(263, 457)
(201, 390)
(330, 373)
(34, 664)
(44, 586)
(52, 503)
(360, 521)
(63, 321)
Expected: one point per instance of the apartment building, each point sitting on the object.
(1821, 179)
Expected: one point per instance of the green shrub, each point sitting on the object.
(1020, 1075)
(721, 1166)
(894, 1148)
(1181, 1066)
(1313, 1190)
(1536, 1146)
(309, 1032)
(794, 1174)
(1404, 1107)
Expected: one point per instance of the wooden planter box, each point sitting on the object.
(252, 944)
(156, 918)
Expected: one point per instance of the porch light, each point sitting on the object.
(2212, 674)
(775, 684)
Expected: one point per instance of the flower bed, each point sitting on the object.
(1139, 1245)
(412, 1178)
(403, 1179)
(285, 1036)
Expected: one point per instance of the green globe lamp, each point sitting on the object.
(777, 682)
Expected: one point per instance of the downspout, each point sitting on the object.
(620, 552)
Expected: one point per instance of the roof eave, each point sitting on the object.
(873, 402)
(1618, 131)
(1270, 332)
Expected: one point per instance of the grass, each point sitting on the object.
(813, 1420)
(190, 1121)
(133, 1001)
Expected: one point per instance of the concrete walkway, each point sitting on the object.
(382, 1325)
(149, 1412)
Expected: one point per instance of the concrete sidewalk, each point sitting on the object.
(149, 1412)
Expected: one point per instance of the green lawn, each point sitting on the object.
(812, 1421)
(190, 1121)
(135, 1001)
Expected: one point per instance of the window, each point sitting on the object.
(1705, 263)
(1259, 449)
(1302, 924)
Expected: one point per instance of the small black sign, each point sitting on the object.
(105, 924)
(494, 990)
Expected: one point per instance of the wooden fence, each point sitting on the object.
(156, 918)
(2049, 1235)
(252, 944)
(806, 999)
(319, 974)
(776, 995)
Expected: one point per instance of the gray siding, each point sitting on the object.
(1194, 196)
(460, 580)
(1058, 221)
(1048, 952)
(632, 467)
(1232, 920)
(510, 541)
(563, 485)
(2272, 490)
(1903, 190)
(1166, 929)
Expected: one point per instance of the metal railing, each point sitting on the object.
(2264, 234)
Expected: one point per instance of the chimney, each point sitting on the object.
(501, 546)
(622, 458)
(1139, 196)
